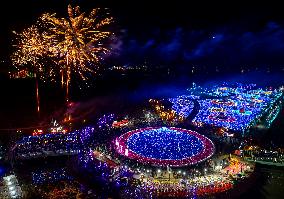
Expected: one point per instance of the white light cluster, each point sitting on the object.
(13, 187)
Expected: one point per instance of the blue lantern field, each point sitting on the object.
(236, 107)
(165, 146)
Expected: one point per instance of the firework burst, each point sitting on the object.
(60, 47)
(31, 53)
(30, 57)
(77, 41)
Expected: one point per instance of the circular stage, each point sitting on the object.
(165, 146)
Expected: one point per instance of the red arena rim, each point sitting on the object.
(206, 148)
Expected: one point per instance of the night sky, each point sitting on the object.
(179, 34)
(173, 32)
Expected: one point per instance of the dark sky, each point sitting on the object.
(192, 14)
(180, 31)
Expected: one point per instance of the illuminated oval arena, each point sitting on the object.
(165, 146)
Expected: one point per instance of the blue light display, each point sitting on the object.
(182, 105)
(106, 120)
(164, 143)
(237, 108)
(165, 146)
(42, 177)
(51, 144)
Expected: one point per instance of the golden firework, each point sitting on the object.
(64, 46)
(31, 54)
(77, 41)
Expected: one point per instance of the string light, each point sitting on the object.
(50, 144)
(47, 176)
(182, 105)
(242, 108)
(165, 146)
